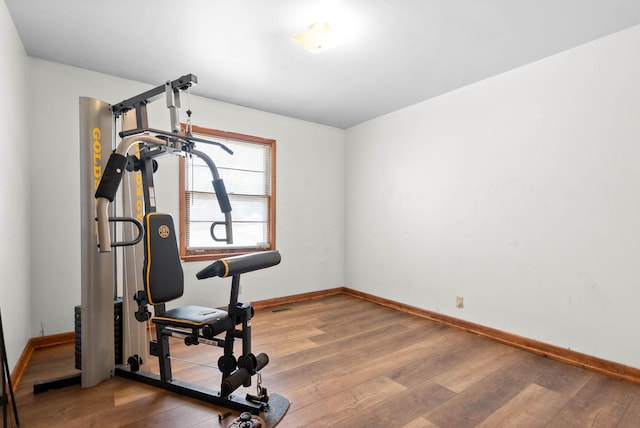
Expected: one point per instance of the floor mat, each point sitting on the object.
(273, 414)
(278, 406)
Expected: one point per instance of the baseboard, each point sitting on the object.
(33, 344)
(295, 298)
(595, 364)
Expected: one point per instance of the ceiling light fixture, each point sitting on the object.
(318, 38)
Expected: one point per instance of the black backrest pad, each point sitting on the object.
(163, 276)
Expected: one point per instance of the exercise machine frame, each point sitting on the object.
(100, 180)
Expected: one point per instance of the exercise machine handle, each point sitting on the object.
(102, 217)
(222, 196)
(104, 234)
(240, 264)
(174, 136)
(110, 181)
(225, 206)
(137, 223)
(213, 232)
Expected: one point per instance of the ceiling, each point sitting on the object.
(393, 53)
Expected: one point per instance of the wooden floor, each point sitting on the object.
(345, 362)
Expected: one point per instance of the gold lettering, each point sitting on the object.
(97, 167)
(139, 203)
(97, 157)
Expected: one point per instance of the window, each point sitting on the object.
(249, 178)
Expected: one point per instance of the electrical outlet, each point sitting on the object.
(459, 302)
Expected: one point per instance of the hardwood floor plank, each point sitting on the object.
(365, 318)
(631, 417)
(447, 356)
(329, 384)
(358, 345)
(107, 415)
(289, 334)
(279, 350)
(534, 406)
(563, 378)
(473, 370)
(477, 402)
(344, 402)
(602, 402)
(384, 356)
(419, 423)
(187, 415)
(400, 408)
(132, 392)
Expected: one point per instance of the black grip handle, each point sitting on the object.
(212, 231)
(137, 223)
(221, 194)
(111, 177)
(240, 264)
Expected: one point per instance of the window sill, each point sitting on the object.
(209, 256)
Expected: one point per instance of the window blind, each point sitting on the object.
(247, 178)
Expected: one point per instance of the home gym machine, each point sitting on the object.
(107, 167)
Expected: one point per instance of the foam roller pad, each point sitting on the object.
(221, 194)
(240, 264)
(111, 177)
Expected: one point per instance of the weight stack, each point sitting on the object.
(117, 332)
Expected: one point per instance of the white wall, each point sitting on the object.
(520, 193)
(309, 200)
(310, 194)
(15, 167)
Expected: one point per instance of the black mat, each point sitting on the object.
(278, 406)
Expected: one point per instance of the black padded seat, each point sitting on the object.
(163, 278)
(189, 316)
